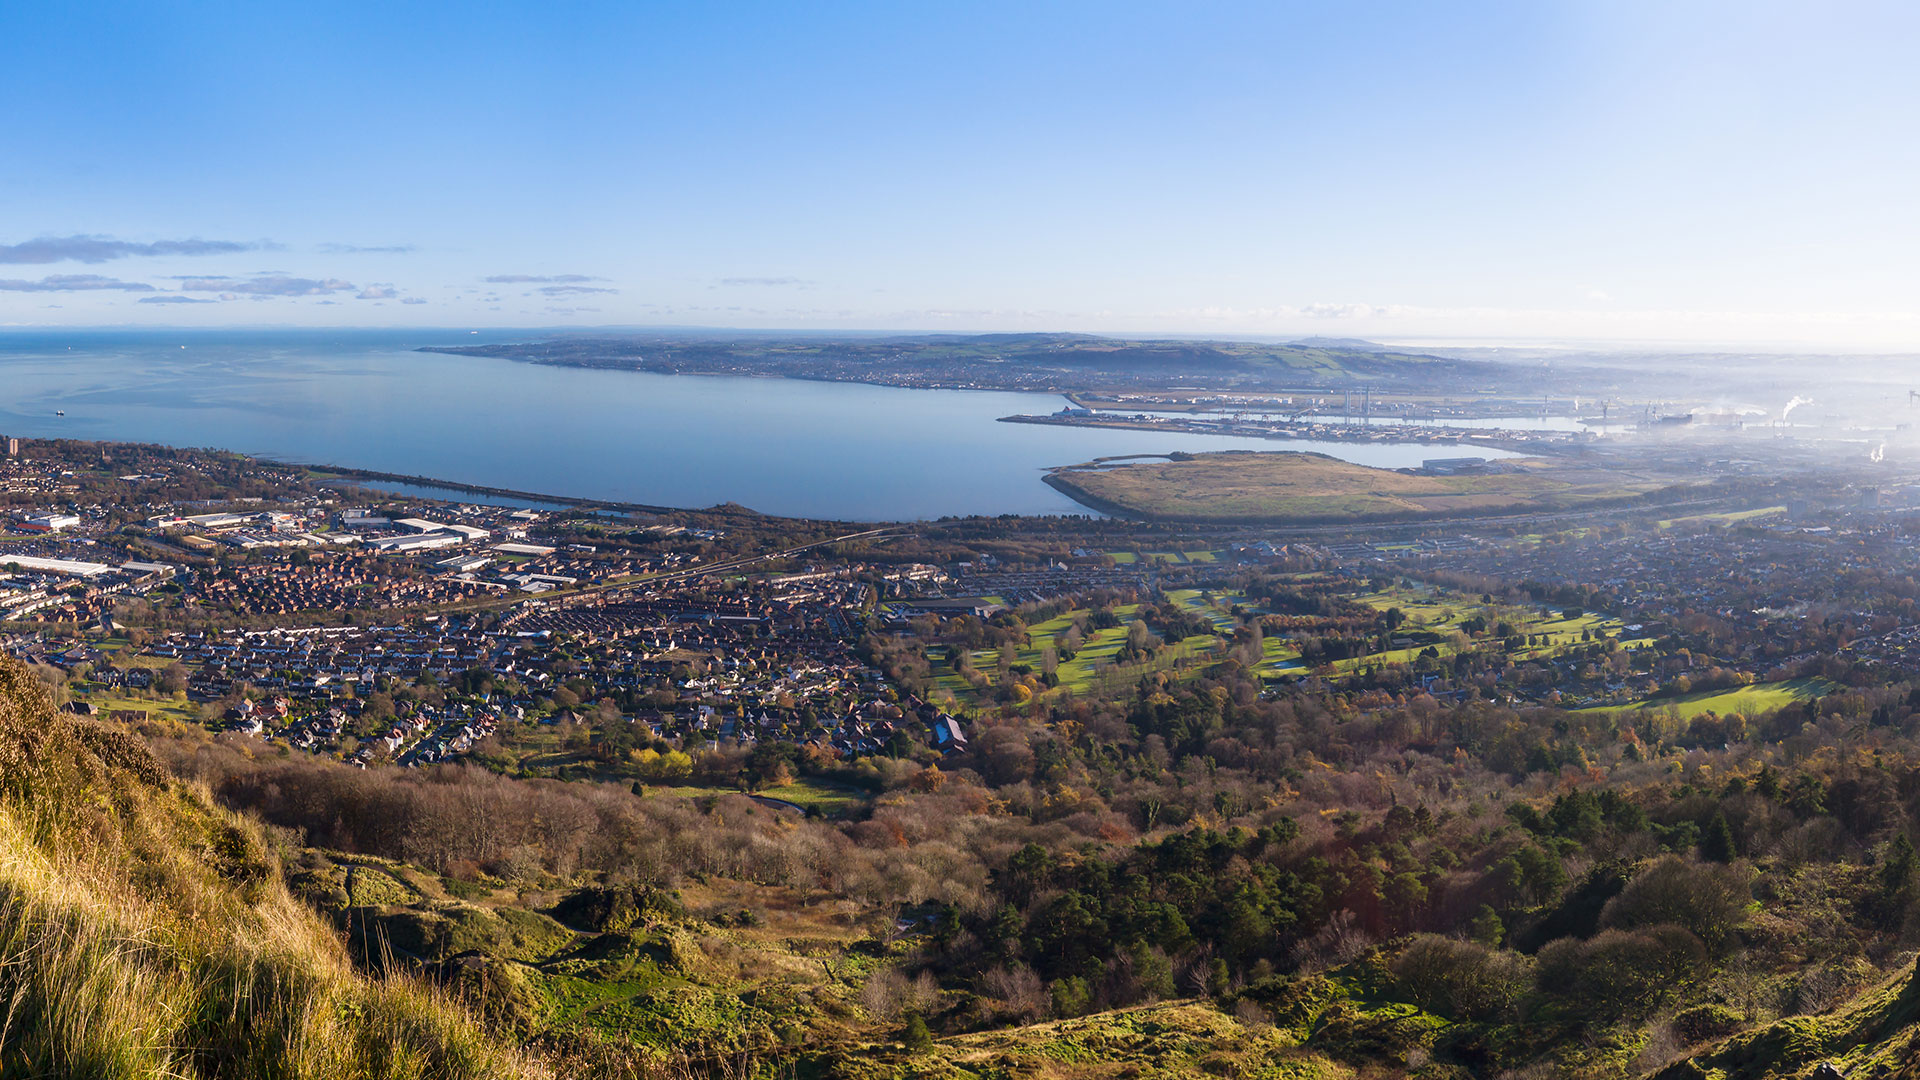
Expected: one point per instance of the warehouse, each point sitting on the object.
(69, 567)
(417, 542)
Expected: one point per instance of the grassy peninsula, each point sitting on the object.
(1241, 486)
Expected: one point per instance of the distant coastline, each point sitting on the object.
(532, 497)
(1042, 363)
(823, 449)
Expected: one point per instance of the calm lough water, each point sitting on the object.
(366, 399)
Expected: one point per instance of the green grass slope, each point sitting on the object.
(1875, 1035)
(145, 932)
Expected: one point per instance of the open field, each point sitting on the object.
(1733, 518)
(1433, 618)
(828, 799)
(176, 708)
(1094, 661)
(1431, 608)
(1279, 657)
(1438, 611)
(1294, 486)
(1747, 700)
(1171, 558)
(1075, 675)
(1216, 611)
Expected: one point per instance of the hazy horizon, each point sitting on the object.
(533, 331)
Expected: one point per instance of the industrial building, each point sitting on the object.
(417, 542)
(524, 549)
(68, 567)
(422, 525)
(46, 523)
(463, 564)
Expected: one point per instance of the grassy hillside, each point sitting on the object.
(1875, 1035)
(1289, 485)
(144, 932)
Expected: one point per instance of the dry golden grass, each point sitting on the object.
(145, 932)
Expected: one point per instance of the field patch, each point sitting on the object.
(1746, 700)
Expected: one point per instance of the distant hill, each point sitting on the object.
(1350, 344)
(1051, 362)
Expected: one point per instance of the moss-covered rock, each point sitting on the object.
(615, 957)
(1387, 1033)
(369, 886)
(1878, 1034)
(507, 934)
(1295, 1003)
(497, 992)
(601, 908)
(1704, 1022)
(530, 935)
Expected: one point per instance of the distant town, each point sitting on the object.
(336, 620)
(1285, 655)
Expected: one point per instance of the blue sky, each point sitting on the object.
(1524, 171)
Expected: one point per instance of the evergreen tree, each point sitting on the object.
(1716, 844)
(917, 1037)
(1486, 926)
(1896, 873)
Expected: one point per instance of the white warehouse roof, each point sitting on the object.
(71, 567)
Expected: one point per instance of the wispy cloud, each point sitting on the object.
(74, 283)
(764, 281)
(540, 279)
(99, 249)
(366, 249)
(572, 290)
(1338, 311)
(378, 292)
(266, 285)
(176, 298)
(413, 300)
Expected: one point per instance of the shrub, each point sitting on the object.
(1709, 901)
(1619, 974)
(1071, 997)
(1459, 979)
